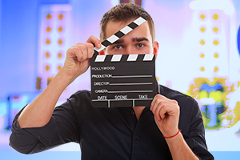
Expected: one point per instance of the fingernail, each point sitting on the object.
(99, 45)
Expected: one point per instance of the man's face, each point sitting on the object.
(138, 41)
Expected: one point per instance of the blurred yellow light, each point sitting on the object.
(215, 29)
(215, 42)
(203, 94)
(48, 29)
(60, 16)
(202, 55)
(216, 95)
(60, 41)
(215, 16)
(47, 55)
(59, 68)
(236, 112)
(202, 42)
(59, 55)
(60, 29)
(216, 55)
(202, 69)
(202, 29)
(48, 16)
(48, 41)
(216, 69)
(47, 68)
(49, 79)
(202, 16)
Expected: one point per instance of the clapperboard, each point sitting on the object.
(122, 80)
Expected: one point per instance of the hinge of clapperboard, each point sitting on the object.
(118, 35)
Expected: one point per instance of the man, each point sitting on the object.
(145, 132)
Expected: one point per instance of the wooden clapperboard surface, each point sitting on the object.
(122, 80)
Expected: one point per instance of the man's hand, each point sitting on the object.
(166, 114)
(39, 111)
(77, 57)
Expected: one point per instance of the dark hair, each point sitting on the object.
(125, 12)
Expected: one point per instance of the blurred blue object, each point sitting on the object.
(15, 103)
(10, 106)
(76, 155)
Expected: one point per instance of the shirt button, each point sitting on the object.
(132, 113)
(138, 137)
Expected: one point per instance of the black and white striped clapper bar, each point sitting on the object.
(122, 80)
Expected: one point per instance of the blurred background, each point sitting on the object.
(199, 55)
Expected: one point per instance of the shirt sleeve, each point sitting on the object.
(195, 137)
(63, 127)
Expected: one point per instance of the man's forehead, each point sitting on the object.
(113, 27)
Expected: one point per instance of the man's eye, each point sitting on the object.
(118, 47)
(140, 45)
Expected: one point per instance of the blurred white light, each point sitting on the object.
(207, 101)
(224, 5)
(114, 2)
(61, 8)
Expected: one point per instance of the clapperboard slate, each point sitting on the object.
(122, 80)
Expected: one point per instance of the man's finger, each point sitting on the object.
(157, 110)
(95, 41)
(162, 112)
(90, 50)
(156, 104)
(82, 50)
(153, 101)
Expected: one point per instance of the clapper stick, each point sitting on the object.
(122, 80)
(119, 34)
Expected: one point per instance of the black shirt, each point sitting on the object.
(113, 133)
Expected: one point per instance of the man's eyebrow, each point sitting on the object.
(134, 40)
(140, 39)
(118, 41)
